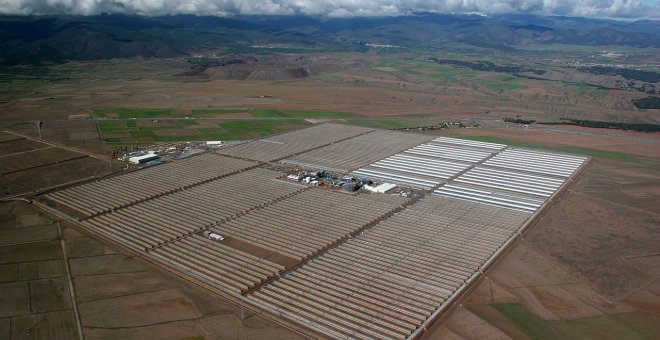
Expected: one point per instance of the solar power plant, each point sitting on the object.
(386, 282)
(154, 222)
(115, 192)
(359, 151)
(427, 165)
(343, 264)
(303, 224)
(516, 179)
(217, 263)
(292, 143)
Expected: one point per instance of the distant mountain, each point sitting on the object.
(33, 40)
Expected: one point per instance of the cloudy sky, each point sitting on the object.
(625, 9)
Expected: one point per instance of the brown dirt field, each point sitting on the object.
(35, 299)
(362, 90)
(7, 137)
(31, 234)
(260, 252)
(464, 324)
(51, 175)
(51, 325)
(49, 295)
(37, 157)
(20, 145)
(171, 330)
(578, 263)
(97, 287)
(588, 266)
(140, 309)
(598, 231)
(118, 296)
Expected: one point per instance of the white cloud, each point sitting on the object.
(335, 8)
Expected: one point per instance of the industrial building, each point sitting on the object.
(367, 264)
(143, 158)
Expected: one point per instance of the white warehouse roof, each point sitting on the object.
(143, 158)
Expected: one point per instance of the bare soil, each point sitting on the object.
(588, 267)
(29, 165)
(118, 296)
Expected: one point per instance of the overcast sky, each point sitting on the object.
(626, 9)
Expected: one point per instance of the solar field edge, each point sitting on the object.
(365, 228)
(481, 273)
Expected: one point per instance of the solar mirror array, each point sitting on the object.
(347, 265)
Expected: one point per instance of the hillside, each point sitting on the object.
(48, 39)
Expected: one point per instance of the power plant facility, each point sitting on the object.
(347, 232)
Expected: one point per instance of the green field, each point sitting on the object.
(422, 70)
(383, 123)
(197, 112)
(114, 125)
(503, 86)
(245, 129)
(298, 114)
(134, 113)
(127, 132)
(136, 125)
(632, 325)
(327, 77)
(577, 89)
(528, 323)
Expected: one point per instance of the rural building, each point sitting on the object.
(143, 158)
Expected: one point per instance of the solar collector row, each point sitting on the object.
(470, 143)
(114, 192)
(533, 185)
(171, 216)
(537, 162)
(359, 151)
(426, 165)
(230, 268)
(292, 143)
(488, 197)
(385, 282)
(222, 265)
(301, 225)
(448, 152)
(516, 179)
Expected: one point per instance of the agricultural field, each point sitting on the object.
(158, 100)
(304, 236)
(116, 295)
(512, 300)
(137, 126)
(587, 267)
(29, 165)
(189, 129)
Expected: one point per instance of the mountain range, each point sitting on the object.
(53, 39)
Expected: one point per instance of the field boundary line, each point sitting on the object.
(72, 291)
(46, 164)
(188, 277)
(58, 145)
(26, 151)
